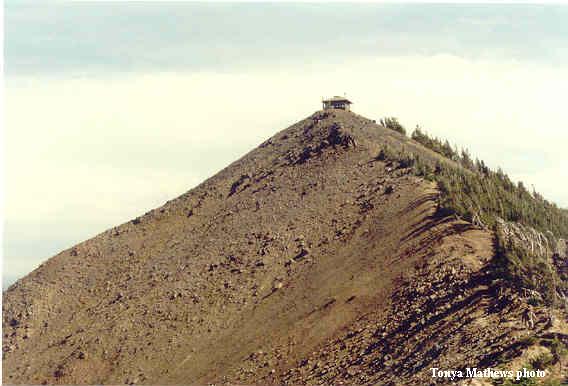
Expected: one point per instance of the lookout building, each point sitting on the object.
(336, 102)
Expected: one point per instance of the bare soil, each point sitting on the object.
(307, 261)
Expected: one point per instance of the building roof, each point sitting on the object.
(337, 99)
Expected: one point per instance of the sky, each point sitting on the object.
(111, 109)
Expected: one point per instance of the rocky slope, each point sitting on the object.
(307, 261)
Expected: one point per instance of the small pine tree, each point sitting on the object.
(393, 124)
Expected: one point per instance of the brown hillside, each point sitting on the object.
(307, 261)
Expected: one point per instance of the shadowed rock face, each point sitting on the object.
(306, 261)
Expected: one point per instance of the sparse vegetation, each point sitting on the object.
(472, 191)
(520, 382)
(552, 382)
(558, 350)
(522, 269)
(542, 361)
(393, 124)
(476, 190)
(306, 211)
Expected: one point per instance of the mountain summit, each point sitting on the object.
(320, 257)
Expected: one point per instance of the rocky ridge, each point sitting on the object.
(307, 261)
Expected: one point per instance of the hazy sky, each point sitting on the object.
(114, 108)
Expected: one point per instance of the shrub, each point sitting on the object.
(471, 188)
(542, 361)
(393, 124)
(472, 191)
(558, 349)
(553, 382)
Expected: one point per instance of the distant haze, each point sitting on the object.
(114, 108)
